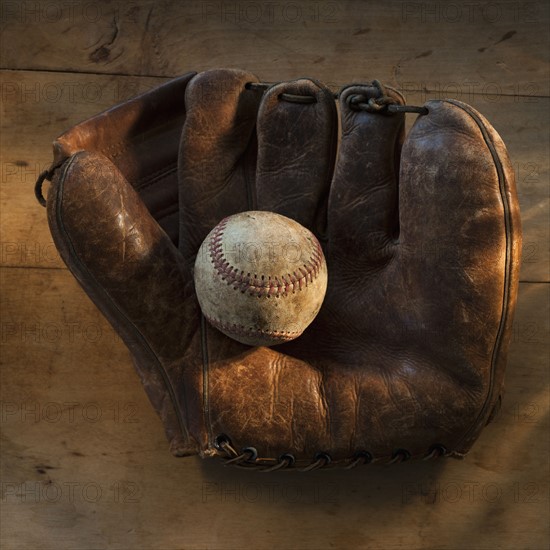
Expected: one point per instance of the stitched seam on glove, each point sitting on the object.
(508, 262)
(84, 273)
(149, 179)
(123, 145)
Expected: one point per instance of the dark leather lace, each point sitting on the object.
(381, 102)
(248, 458)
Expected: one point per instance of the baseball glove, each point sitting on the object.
(421, 234)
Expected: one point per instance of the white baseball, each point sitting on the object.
(260, 278)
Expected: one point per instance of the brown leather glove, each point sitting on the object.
(422, 238)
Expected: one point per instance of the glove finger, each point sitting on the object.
(297, 133)
(457, 191)
(217, 156)
(460, 243)
(363, 198)
(132, 271)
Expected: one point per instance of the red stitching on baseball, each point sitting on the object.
(241, 330)
(262, 286)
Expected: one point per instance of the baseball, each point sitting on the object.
(260, 278)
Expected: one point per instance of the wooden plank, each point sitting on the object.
(489, 46)
(37, 107)
(42, 105)
(85, 463)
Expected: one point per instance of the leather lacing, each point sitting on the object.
(45, 175)
(381, 102)
(248, 458)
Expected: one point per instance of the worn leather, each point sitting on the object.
(422, 239)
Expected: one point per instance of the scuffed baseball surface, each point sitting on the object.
(260, 278)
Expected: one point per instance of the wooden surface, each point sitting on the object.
(84, 462)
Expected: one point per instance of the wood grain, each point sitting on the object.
(41, 105)
(493, 47)
(36, 108)
(86, 463)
